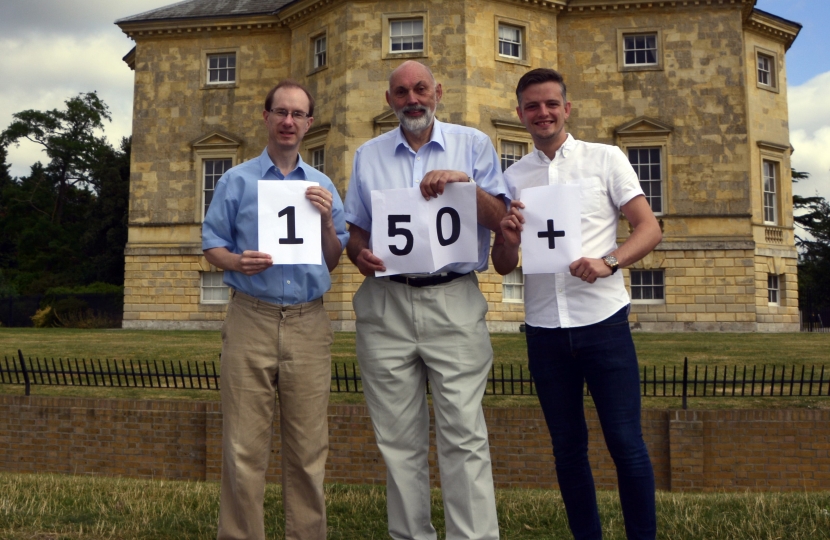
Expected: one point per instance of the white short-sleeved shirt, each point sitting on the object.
(607, 182)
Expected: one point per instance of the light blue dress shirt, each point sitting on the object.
(388, 162)
(232, 222)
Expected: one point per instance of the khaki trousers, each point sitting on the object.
(404, 336)
(268, 348)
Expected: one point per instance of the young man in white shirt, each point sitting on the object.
(577, 322)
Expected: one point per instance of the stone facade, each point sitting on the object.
(719, 133)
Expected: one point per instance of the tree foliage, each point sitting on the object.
(813, 215)
(68, 137)
(65, 224)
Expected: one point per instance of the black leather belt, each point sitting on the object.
(428, 280)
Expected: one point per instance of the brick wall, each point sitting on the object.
(691, 450)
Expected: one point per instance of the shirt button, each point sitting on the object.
(418, 159)
(289, 282)
(560, 290)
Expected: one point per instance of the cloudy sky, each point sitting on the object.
(50, 50)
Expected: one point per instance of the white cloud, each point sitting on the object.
(810, 134)
(66, 66)
(51, 50)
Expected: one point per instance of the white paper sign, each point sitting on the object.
(412, 235)
(289, 225)
(552, 233)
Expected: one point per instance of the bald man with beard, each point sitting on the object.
(414, 328)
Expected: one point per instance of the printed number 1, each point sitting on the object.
(292, 232)
(394, 230)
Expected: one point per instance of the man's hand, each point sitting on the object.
(368, 263)
(512, 224)
(248, 263)
(361, 254)
(253, 262)
(322, 200)
(589, 269)
(433, 182)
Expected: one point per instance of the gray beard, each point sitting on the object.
(415, 125)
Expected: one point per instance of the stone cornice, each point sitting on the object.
(773, 27)
(605, 6)
(179, 27)
(507, 124)
(297, 11)
(774, 147)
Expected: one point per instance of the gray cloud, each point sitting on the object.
(51, 18)
(51, 50)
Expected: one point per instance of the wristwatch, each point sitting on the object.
(611, 262)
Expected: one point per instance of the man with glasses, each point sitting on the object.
(276, 336)
(431, 326)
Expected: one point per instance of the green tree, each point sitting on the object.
(68, 137)
(813, 215)
(65, 224)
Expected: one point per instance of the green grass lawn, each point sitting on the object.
(72, 507)
(654, 350)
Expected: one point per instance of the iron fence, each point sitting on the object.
(686, 381)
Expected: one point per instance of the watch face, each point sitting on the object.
(611, 260)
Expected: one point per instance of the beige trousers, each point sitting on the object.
(404, 336)
(287, 349)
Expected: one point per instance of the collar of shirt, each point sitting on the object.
(267, 168)
(437, 138)
(563, 152)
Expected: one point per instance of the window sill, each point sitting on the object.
(405, 54)
(512, 60)
(317, 70)
(219, 86)
(645, 67)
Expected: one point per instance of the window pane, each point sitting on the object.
(513, 285)
(213, 171)
(222, 67)
(647, 285)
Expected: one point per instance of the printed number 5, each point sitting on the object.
(394, 230)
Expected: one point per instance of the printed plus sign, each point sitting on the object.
(551, 235)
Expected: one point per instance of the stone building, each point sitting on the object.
(693, 91)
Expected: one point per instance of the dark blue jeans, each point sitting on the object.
(603, 355)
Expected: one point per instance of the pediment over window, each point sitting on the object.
(644, 125)
(216, 140)
(511, 124)
(385, 119)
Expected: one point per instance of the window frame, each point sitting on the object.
(213, 146)
(203, 287)
(313, 54)
(505, 141)
(511, 131)
(203, 176)
(776, 194)
(622, 33)
(205, 68)
(518, 285)
(774, 294)
(662, 285)
(662, 181)
(315, 140)
(524, 28)
(386, 34)
(312, 157)
(773, 73)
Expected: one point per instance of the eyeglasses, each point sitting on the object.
(281, 114)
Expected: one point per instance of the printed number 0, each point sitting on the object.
(455, 221)
(394, 230)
